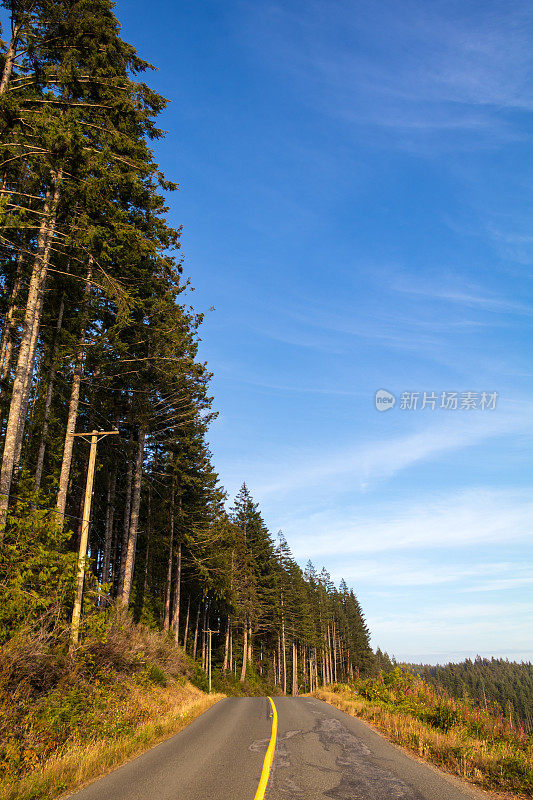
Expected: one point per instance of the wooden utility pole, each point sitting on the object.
(76, 612)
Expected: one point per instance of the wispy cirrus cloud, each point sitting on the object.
(423, 315)
(453, 520)
(502, 584)
(414, 67)
(466, 295)
(430, 573)
(456, 628)
(361, 466)
(403, 572)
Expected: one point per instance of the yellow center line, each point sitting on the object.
(269, 757)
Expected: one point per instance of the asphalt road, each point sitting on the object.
(320, 753)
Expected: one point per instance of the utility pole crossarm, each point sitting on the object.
(98, 433)
(88, 434)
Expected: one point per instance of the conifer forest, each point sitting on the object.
(99, 335)
(135, 592)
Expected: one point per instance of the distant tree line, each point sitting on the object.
(98, 334)
(508, 685)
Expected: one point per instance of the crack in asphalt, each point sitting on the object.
(342, 767)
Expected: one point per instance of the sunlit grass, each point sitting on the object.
(145, 716)
(473, 743)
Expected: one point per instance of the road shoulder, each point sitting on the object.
(467, 787)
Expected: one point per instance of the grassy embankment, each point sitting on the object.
(476, 744)
(66, 719)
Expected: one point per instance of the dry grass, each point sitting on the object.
(496, 766)
(166, 710)
(68, 717)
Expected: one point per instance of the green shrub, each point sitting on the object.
(37, 571)
(156, 675)
(442, 716)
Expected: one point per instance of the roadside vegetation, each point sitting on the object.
(66, 718)
(69, 713)
(507, 685)
(474, 743)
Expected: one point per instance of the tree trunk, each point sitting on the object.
(196, 633)
(134, 520)
(10, 58)
(330, 662)
(294, 670)
(48, 400)
(115, 566)
(204, 639)
(6, 364)
(146, 560)
(126, 526)
(168, 588)
(74, 399)
(24, 369)
(284, 654)
(334, 652)
(186, 624)
(148, 537)
(244, 651)
(26, 390)
(177, 598)
(6, 345)
(110, 515)
(226, 647)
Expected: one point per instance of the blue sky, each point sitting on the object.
(356, 196)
